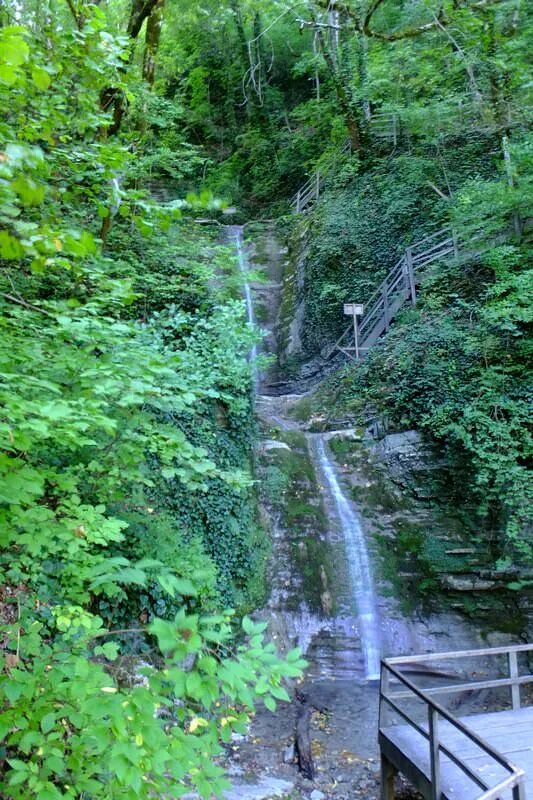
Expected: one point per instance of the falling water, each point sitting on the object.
(236, 232)
(360, 571)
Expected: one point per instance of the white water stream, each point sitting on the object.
(359, 566)
(342, 638)
(237, 233)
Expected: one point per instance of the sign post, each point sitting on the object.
(354, 310)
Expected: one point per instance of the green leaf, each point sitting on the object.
(270, 703)
(109, 650)
(280, 693)
(13, 49)
(174, 585)
(49, 792)
(293, 655)
(30, 192)
(48, 722)
(41, 78)
(8, 74)
(12, 690)
(10, 247)
(165, 633)
(5, 728)
(248, 626)
(18, 765)
(16, 778)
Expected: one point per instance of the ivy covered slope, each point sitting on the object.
(127, 513)
(456, 367)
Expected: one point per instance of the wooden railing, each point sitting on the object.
(391, 670)
(384, 127)
(398, 288)
(311, 190)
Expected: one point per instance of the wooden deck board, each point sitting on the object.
(510, 732)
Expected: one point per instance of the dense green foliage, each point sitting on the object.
(456, 367)
(126, 499)
(127, 505)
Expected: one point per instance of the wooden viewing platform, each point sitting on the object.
(486, 754)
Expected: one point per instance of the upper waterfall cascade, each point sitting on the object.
(237, 233)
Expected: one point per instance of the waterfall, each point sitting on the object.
(237, 233)
(360, 569)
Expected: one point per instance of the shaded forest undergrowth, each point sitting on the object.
(129, 519)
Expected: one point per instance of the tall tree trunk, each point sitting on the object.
(343, 97)
(501, 104)
(243, 47)
(241, 33)
(362, 68)
(113, 98)
(151, 41)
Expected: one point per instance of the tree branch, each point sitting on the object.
(139, 12)
(22, 302)
(78, 20)
(304, 23)
(438, 191)
(439, 21)
(468, 66)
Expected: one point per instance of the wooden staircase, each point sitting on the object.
(398, 288)
(384, 127)
(312, 189)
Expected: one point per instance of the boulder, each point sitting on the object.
(273, 444)
(466, 583)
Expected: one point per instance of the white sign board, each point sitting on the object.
(353, 309)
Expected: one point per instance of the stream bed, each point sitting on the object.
(327, 591)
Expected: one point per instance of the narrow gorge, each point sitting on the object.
(265, 400)
(332, 593)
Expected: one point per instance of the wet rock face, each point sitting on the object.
(273, 444)
(408, 460)
(467, 583)
(403, 453)
(405, 444)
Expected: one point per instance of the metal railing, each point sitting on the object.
(384, 126)
(390, 669)
(312, 188)
(398, 287)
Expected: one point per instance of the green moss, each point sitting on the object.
(289, 302)
(312, 557)
(303, 409)
(261, 312)
(293, 465)
(300, 511)
(275, 481)
(256, 591)
(289, 484)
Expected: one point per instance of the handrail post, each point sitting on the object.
(434, 753)
(410, 273)
(386, 304)
(455, 244)
(317, 184)
(384, 690)
(298, 201)
(513, 674)
(406, 285)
